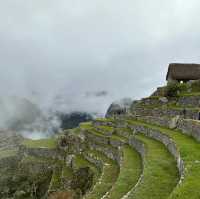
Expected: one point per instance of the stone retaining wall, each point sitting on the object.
(112, 153)
(190, 127)
(123, 132)
(167, 141)
(160, 112)
(160, 121)
(189, 101)
(153, 101)
(138, 146)
(100, 139)
(186, 126)
(98, 162)
(40, 152)
(105, 131)
(97, 123)
(9, 161)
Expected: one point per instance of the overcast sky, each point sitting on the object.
(71, 48)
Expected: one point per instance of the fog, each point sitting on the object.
(83, 55)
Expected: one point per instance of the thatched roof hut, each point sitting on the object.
(183, 72)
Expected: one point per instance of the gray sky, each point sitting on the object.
(68, 48)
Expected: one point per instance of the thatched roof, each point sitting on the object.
(177, 71)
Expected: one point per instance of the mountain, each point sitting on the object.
(151, 150)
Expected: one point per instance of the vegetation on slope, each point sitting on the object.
(107, 179)
(160, 174)
(189, 149)
(43, 143)
(130, 172)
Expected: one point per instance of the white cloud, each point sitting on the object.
(70, 47)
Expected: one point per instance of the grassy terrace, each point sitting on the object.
(35, 160)
(104, 119)
(190, 153)
(92, 130)
(67, 172)
(81, 162)
(160, 174)
(169, 106)
(86, 125)
(185, 94)
(43, 143)
(130, 172)
(105, 128)
(56, 182)
(107, 179)
(7, 153)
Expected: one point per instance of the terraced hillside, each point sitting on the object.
(151, 151)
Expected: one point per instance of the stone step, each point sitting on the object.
(130, 171)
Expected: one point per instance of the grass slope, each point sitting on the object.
(130, 172)
(43, 143)
(190, 153)
(160, 174)
(107, 179)
(81, 162)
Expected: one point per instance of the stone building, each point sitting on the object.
(178, 72)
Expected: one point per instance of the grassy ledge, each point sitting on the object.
(160, 174)
(107, 179)
(7, 153)
(190, 153)
(129, 175)
(50, 143)
(81, 162)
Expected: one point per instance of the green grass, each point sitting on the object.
(86, 125)
(185, 94)
(160, 174)
(67, 172)
(100, 134)
(106, 128)
(171, 106)
(119, 138)
(50, 143)
(107, 179)
(56, 182)
(7, 153)
(81, 162)
(104, 119)
(34, 159)
(130, 172)
(128, 132)
(190, 153)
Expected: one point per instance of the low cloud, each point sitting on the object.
(83, 55)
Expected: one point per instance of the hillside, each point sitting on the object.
(148, 151)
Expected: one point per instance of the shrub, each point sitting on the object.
(174, 89)
(195, 86)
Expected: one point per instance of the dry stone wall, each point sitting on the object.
(186, 126)
(40, 152)
(160, 112)
(111, 152)
(167, 141)
(190, 127)
(189, 101)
